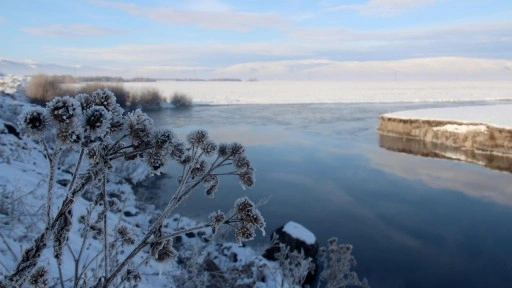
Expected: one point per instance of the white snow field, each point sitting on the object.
(294, 92)
(495, 115)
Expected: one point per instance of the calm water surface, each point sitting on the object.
(413, 221)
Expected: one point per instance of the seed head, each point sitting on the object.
(247, 178)
(164, 140)
(224, 150)
(241, 163)
(64, 110)
(39, 278)
(197, 138)
(236, 149)
(243, 233)
(155, 160)
(217, 218)
(34, 122)
(139, 127)
(132, 276)
(125, 235)
(209, 148)
(163, 251)
(97, 121)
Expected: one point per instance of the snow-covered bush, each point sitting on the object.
(104, 136)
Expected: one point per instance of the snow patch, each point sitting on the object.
(462, 128)
(299, 232)
(494, 115)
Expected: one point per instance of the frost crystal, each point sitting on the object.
(64, 110)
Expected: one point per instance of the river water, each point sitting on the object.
(413, 221)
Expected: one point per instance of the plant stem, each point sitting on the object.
(105, 227)
(77, 168)
(31, 255)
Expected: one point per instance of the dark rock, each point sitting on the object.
(128, 213)
(190, 235)
(63, 182)
(233, 257)
(295, 244)
(12, 130)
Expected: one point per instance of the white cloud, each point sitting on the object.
(215, 16)
(71, 31)
(469, 39)
(175, 54)
(207, 5)
(384, 7)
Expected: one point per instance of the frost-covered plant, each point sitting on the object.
(97, 127)
(337, 263)
(295, 266)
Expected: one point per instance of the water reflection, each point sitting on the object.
(436, 150)
(439, 173)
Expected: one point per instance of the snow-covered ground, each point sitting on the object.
(10, 84)
(494, 115)
(291, 92)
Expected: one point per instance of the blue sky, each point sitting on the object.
(251, 37)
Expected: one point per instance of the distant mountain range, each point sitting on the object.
(32, 68)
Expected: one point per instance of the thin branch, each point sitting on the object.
(8, 247)
(61, 278)
(181, 232)
(117, 142)
(77, 168)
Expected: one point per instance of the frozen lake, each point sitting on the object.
(293, 92)
(413, 221)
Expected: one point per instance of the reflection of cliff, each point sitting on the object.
(470, 142)
(438, 150)
(478, 183)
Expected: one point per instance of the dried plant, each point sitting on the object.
(337, 265)
(104, 135)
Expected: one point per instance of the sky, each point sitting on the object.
(288, 39)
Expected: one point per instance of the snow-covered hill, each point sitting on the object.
(31, 68)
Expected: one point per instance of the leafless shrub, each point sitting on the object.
(181, 100)
(337, 266)
(146, 99)
(42, 88)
